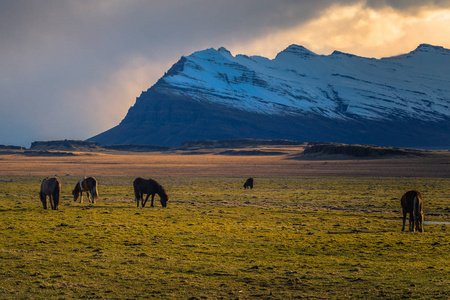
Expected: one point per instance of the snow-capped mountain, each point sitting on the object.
(402, 100)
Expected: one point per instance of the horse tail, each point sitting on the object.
(137, 194)
(416, 205)
(94, 190)
(56, 194)
(43, 199)
(417, 212)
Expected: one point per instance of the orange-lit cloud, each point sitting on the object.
(360, 30)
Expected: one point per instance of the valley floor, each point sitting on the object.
(309, 229)
(436, 164)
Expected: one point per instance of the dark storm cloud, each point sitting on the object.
(55, 55)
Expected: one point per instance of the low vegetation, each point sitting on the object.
(366, 151)
(236, 143)
(288, 238)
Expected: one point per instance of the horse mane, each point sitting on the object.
(162, 192)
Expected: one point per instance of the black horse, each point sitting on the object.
(149, 187)
(50, 187)
(248, 183)
(412, 204)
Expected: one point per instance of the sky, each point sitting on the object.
(71, 69)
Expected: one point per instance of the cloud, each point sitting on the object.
(362, 30)
(71, 69)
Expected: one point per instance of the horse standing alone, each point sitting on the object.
(249, 183)
(88, 185)
(412, 203)
(50, 187)
(149, 187)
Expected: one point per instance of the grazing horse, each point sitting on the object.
(149, 187)
(412, 203)
(248, 183)
(88, 185)
(50, 187)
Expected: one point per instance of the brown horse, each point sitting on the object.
(248, 183)
(149, 187)
(412, 203)
(50, 187)
(88, 185)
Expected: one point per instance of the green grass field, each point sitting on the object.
(288, 238)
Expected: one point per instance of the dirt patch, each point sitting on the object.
(250, 152)
(47, 153)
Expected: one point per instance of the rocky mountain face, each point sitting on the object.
(298, 95)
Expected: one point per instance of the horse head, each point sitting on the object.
(76, 193)
(164, 198)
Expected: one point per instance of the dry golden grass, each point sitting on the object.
(299, 234)
(213, 164)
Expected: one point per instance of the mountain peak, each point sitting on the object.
(339, 53)
(427, 48)
(224, 50)
(297, 51)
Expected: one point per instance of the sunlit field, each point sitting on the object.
(292, 236)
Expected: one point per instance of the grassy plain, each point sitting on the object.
(309, 229)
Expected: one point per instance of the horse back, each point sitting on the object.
(88, 183)
(412, 200)
(50, 185)
(250, 182)
(92, 181)
(145, 186)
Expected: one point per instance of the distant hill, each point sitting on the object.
(10, 147)
(79, 145)
(235, 143)
(65, 145)
(137, 148)
(361, 151)
(397, 101)
(230, 147)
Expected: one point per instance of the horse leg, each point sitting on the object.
(412, 222)
(416, 222)
(139, 198)
(92, 197)
(43, 200)
(146, 199)
(404, 219)
(153, 198)
(89, 197)
(420, 222)
(51, 201)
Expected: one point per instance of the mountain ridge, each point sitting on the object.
(339, 97)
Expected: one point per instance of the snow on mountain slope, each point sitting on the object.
(398, 101)
(338, 86)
